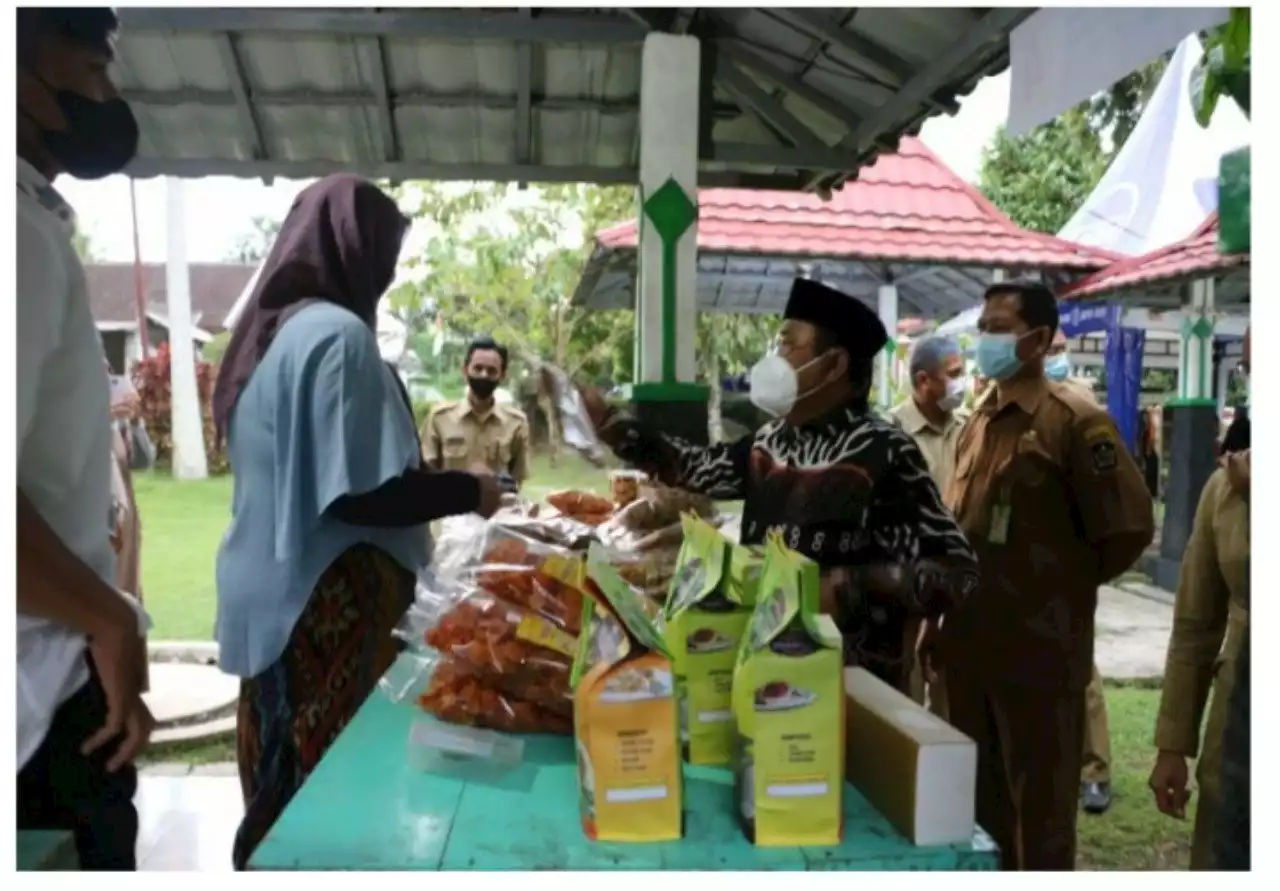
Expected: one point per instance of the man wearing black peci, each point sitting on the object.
(842, 485)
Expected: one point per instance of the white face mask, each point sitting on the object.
(774, 384)
(955, 394)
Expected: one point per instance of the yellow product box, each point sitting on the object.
(704, 620)
(625, 716)
(788, 705)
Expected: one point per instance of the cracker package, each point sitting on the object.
(705, 618)
(625, 717)
(788, 704)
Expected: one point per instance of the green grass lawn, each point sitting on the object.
(183, 525)
(1133, 835)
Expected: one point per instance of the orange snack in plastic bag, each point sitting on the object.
(515, 651)
(456, 695)
(536, 592)
(581, 505)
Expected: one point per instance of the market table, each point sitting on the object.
(367, 806)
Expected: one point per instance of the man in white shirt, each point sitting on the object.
(80, 715)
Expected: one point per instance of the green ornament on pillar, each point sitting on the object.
(671, 212)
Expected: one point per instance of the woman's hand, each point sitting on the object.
(1169, 784)
(491, 493)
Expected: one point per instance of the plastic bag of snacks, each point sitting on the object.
(585, 507)
(450, 690)
(541, 578)
(517, 652)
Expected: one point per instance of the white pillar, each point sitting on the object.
(188, 430)
(888, 309)
(1195, 346)
(666, 292)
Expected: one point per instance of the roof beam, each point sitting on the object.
(817, 157)
(249, 122)
(382, 89)
(524, 97)
(846, 115)
(766, 107)
(995, 25)
(653, 18)
(401, 171)
(869, 57)
(436, 24)
(407, 99)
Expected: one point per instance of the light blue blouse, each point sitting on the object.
(321, 417)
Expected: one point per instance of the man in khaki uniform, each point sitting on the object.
(1095, 776)
(933, 416)
(1055, 506)
(477, 431)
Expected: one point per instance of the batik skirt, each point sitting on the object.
(291, 713)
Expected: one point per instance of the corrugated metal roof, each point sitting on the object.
(797, 98)
(906, 216)
(1196, 256)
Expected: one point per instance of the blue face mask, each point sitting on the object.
(998, 355)
(1057, 368)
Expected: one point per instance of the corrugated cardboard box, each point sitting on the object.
(915, 768)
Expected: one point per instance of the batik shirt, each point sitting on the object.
(851, 490)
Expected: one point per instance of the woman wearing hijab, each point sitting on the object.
(330, 500)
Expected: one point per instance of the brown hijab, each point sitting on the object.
(339, 243)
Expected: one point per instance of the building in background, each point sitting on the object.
(215, 288)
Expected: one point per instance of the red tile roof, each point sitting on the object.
(1195, 256)
(907, 207)
(214, 290)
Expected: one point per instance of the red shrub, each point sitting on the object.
(151, 378)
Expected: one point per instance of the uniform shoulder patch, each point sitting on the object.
(1102, 454)
(1100, 440)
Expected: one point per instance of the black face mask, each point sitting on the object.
(101, 138)
(483, 387)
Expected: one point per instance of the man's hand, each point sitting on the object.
(119, 655)
(1169, 784)
(594, 402)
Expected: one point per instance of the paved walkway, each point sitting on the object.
(187, 823)
(1133, 624)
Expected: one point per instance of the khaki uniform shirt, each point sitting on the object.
(1054, 506)
(937, 446)
(456, 437)
(1209, 619)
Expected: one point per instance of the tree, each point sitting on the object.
(1041, 178)
(1119, 108)
(253, 246)
(1225, 67)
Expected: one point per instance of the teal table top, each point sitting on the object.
(43, 849)
(368, 806)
